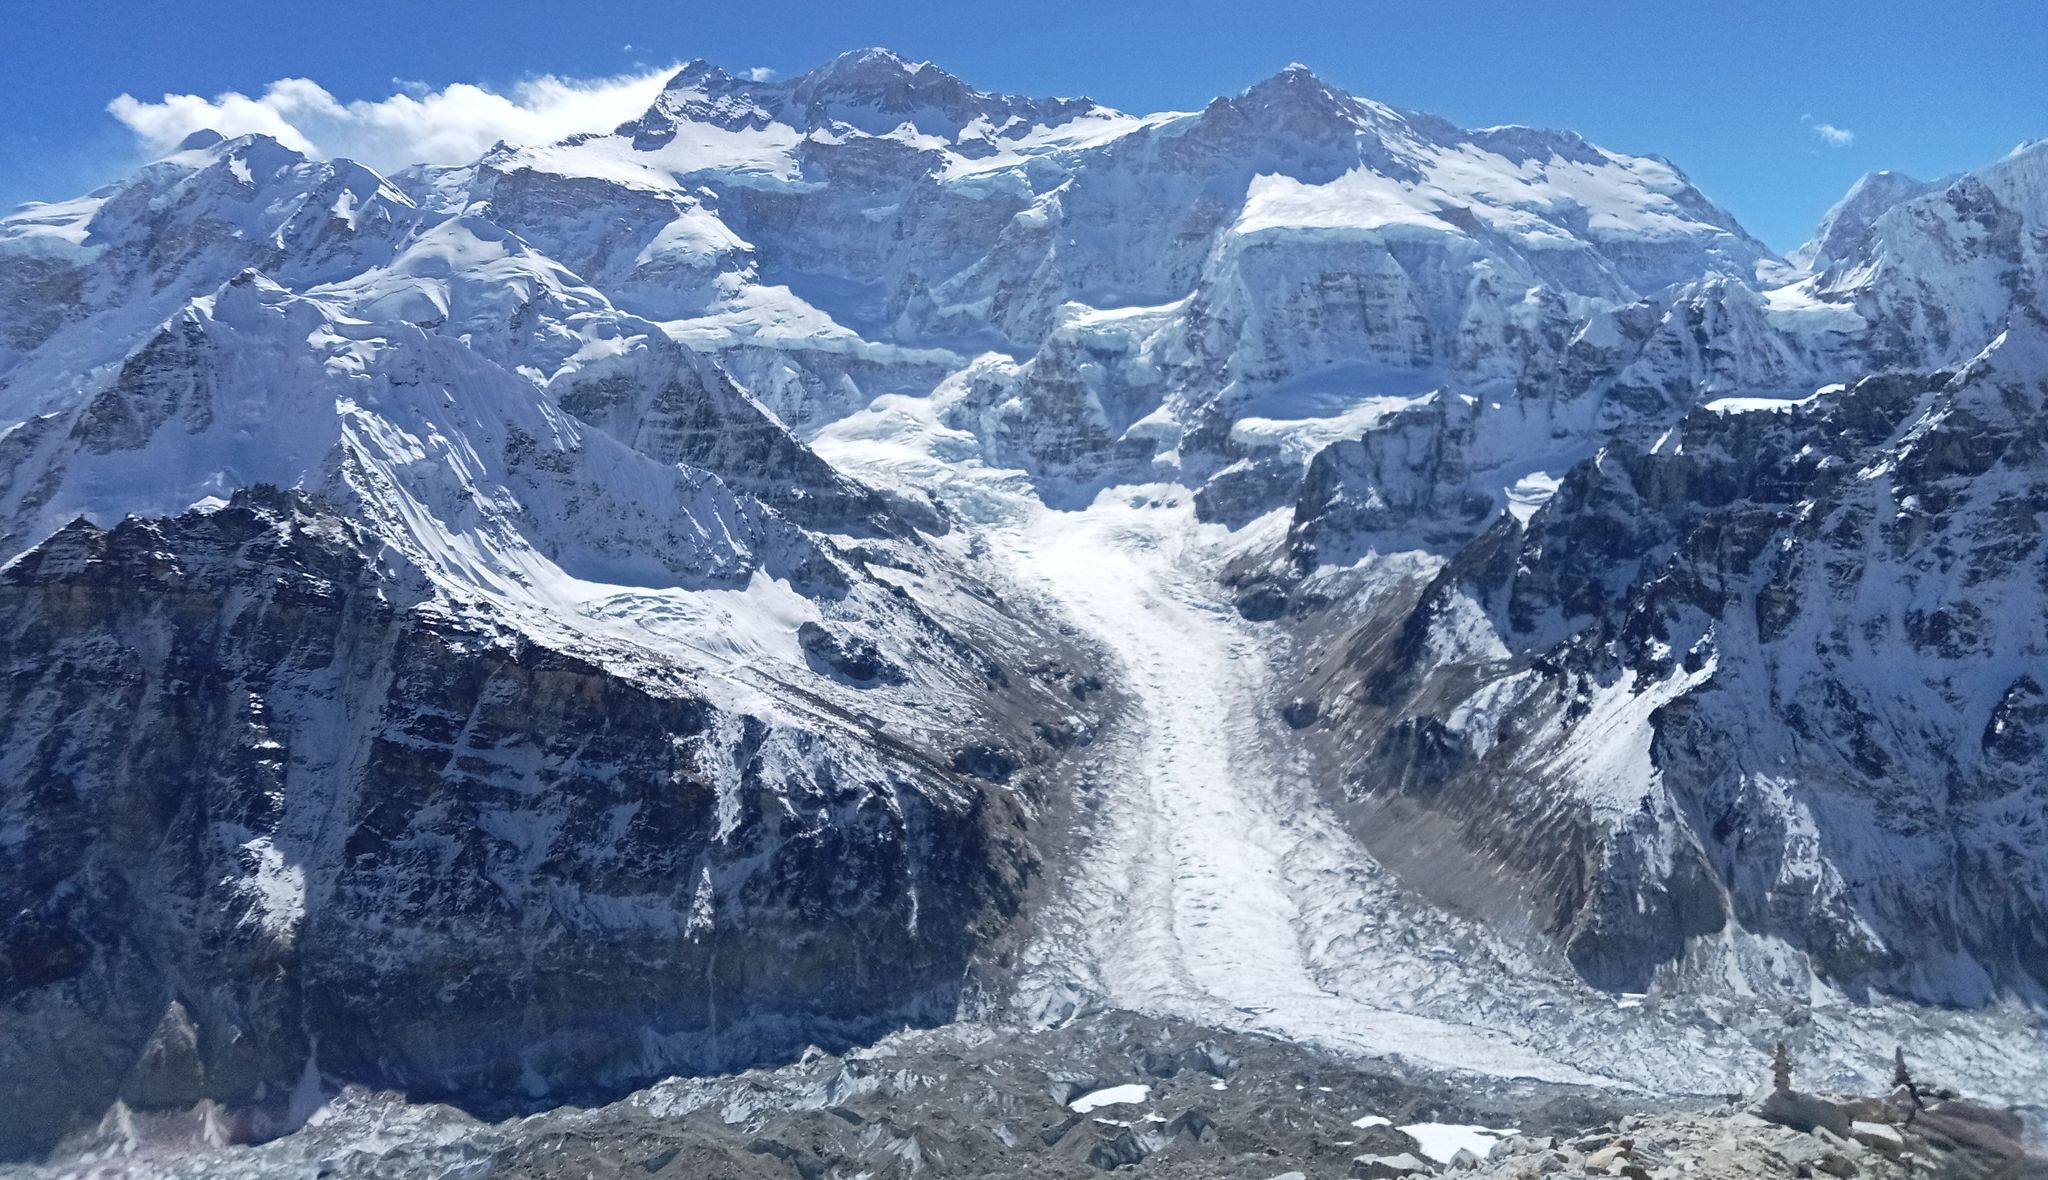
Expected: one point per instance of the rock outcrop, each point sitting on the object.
(271, 815)
(1769, 670)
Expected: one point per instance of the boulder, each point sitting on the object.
(1800, 1156)
(1805, 1112)
(1389, 1167)
(1882, 1136)
(807, 1164)
(1118, 1148)
(850, 657)
(1193, 1125)
(1300, 713)
(169, 1071)
(1387, 1140)
(1262, 604)
(2003, 1123)
(985, 760)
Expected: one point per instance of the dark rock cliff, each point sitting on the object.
(266, 810)
(1775, 669)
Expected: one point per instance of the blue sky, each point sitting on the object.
(1773, 108)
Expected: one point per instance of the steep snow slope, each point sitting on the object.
(471, 474)
(1845, 228)
(83, 280)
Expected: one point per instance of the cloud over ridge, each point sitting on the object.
(452, 124)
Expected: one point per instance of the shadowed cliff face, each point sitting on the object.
(266, 811)
(1774, 671)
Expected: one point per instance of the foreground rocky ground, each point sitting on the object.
(1110, 1093)
(1950, 1140)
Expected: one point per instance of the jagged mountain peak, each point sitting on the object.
(1296, 99)
(868, 69)
(871, 67)
(2021, 177)
(257, 162)
(242, 296)
(2027, 147)
(1294, 77)
(1846, 225)
(2017, 183)
(1523, 143)
(874, 91)
(1942, 264)
(877, 90)
(697, 72)
(885, 79)
(252, 154)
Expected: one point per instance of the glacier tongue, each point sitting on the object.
(1215, 888)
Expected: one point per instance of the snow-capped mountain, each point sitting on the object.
(1936, 275)
(830, 552)
(513, 518)
(1770, 672)
(1845, 229)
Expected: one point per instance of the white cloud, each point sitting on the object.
(1830, 134)
(453, 124)
(762, 74)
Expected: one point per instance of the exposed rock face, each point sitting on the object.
(268, 812)
(674, 406)
(1409, 476)
(1771, 670)
(1937, 275)
(855, 658)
